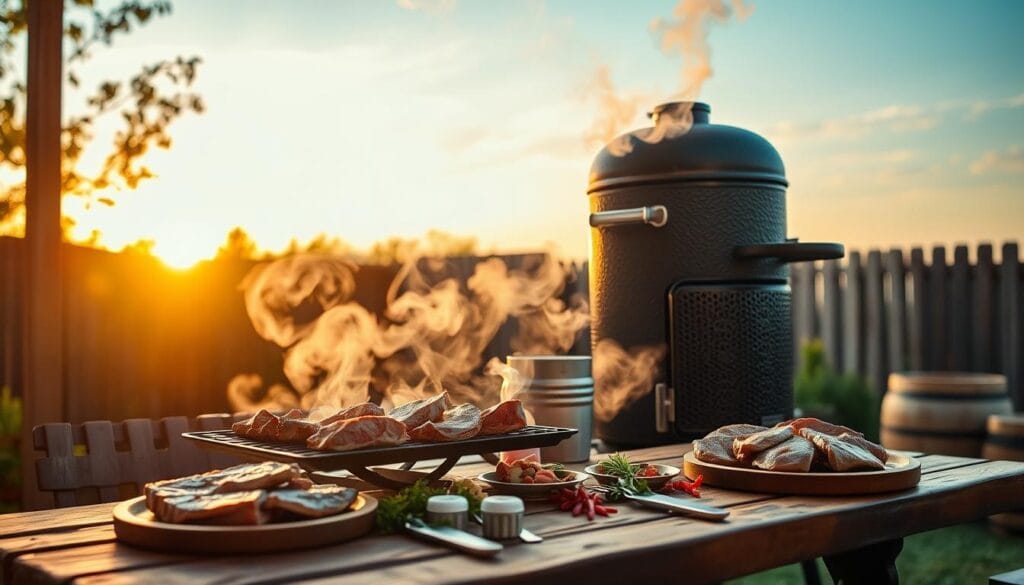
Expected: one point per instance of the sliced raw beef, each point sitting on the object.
(364, 409)
(818, 425)
(842, 456)
(417, 412)
(874, 448)
(316, 502)
(793, 454)
(251, 426)
(295, 430)
(461, 422)
(232, 508)
(293, 413)
(503, 417)
(716, 446)
(358, 433)
(747, 448)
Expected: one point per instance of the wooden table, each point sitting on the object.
(859, 536)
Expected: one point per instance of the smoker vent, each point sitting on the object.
(731, 348)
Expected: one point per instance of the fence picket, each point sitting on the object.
(804, 306)
(959, 342)
(853, 317)
(831, 314)
(983, 312)
(1013, 363)
(897, 310)
(874, 307)
(919, 323)
(938, 313)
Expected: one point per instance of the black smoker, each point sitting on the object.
(689, 250)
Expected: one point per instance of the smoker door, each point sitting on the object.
(731, 354)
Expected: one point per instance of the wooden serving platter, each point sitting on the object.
(135, 525)
(901, 472)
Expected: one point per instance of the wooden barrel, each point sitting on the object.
(1006, 441)
(941, 412)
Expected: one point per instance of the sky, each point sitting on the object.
(900, 123)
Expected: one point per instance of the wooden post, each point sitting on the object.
(875, 347)
(1013, 363)
(831, 314)
(960, 349)
(897, 310)
(43, 396)
(919, 326)
(853, 317)
(983, 312)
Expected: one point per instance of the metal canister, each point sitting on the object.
(558, 391)
(448, 510)
(502, 517)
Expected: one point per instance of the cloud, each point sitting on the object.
(429, 6)
(895, 119)
(1009, 161)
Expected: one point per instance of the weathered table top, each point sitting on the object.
(763, 531)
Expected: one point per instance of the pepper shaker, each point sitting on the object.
(502, 516)
(448, 510)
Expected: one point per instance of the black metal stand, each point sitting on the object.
(870, 565)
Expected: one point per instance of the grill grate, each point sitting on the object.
(226, 440)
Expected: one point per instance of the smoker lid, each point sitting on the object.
(707, 152)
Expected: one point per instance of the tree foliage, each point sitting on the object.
(147, 103)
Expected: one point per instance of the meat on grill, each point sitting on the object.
(716, 446)
(252, 425)
(364, 409)
(793, 454)
(842, 456)
(746, 449)
(316, 502)
(503, 417)
(417, 412)
(461, 422)
(358, 433)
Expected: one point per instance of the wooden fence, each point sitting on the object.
(886, 311)
(142, 340)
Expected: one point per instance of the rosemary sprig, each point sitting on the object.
(620, 466)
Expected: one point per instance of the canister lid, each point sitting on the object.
(704, 152)
(502, 505)
(447, 504)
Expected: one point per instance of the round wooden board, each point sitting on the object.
(900, 473)
(135, 525)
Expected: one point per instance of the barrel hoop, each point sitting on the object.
(979, 435)
(950, 397)
(1014, 442)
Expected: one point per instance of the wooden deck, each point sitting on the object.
(764, 531)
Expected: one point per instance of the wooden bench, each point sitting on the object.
(104, 461)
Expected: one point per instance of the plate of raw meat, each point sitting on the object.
(248, 508)
(804, 456)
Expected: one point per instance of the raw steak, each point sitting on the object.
(461, 422)
(716, 446)
(793, 454)
(874, 448)
(842, 456)
(252, 425)
(417, 412)
(818, 425)
(295, 430)
(231, 508)
(746, 449)
(316, 502)
(364, 409)
(503, 417)
(357, 433)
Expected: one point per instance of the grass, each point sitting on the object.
(969, 553)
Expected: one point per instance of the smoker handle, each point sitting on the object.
(655, 216)
(792, 251)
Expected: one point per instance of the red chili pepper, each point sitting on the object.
(690, 487)
(590, 508)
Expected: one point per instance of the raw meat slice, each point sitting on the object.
(747, 448)
(793, 454)
(293, 413)
(316, 502)
(461, 422)
(251, 426)
(842, 456)
(364, 409)
(247, 476)
(230, 508)
(874, 448)
(417, 412)
(716, 446)
(503, 417)
(296, 430)
(357, 433)
(818, 425)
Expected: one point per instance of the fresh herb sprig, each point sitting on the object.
(625, 470)
(411, 502)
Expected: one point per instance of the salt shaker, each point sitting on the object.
(448, 510)
(502, 516)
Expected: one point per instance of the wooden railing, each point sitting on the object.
(885, 311)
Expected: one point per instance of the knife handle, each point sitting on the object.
(457, 539)
(671, 504)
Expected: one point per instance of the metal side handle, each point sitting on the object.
(654, 216)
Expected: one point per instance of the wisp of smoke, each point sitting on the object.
(621, 377)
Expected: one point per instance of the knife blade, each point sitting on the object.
(455, 538)
(668, 503)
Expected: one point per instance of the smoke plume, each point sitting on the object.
(621, 377)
